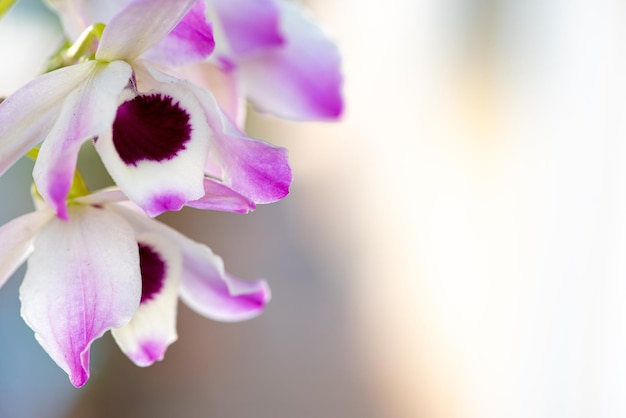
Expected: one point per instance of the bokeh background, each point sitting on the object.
(455, 247)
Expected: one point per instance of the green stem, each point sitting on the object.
(84, 45)
(5, 5)
(84, 48)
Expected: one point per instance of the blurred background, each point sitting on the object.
(455, 247)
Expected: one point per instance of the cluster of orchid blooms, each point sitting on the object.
(160, 88)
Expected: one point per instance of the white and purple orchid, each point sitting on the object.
(164, 111)
(165, 142)
(269, 51)
(72, 293)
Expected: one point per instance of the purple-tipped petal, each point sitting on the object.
(210, 291)
(153, 328)
(27, 115)
(139, 27)
(256, 169)
(82, 279)
(157, 149)
(249, 26)
(253, 168)
(220, 197)
(301, 80)
(16, 240)
(206, 287)
(189, 42)
(86, 112)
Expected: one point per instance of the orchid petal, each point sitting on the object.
(250, 26)
(82, 279)
(157, 149)
(139, 27)
(16, 240)
(109, 195)
(28, 114)
(210, 291)
(76, 15)
(217, 196)
(224, 85)
(153, 328)
(86, 112)
(256, 169)
(206, 287)
(253, 168)
(301, 80)
(189, 42)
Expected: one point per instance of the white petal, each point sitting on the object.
(16, 240)
(139, 27)
(82, 279)
(27, 115)
(205, 286)
(86, 112)
(153, 328)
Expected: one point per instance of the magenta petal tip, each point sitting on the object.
(148, 353)
(79, 375)
(163, 203)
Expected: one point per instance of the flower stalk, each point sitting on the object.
(5, 5)
(84, 49)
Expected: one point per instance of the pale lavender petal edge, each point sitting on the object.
(218, 196)
(301, 80)
(249, 26)
(191, 41)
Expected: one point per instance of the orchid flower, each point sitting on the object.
(164, 141)
(270, 51)
(110, 267)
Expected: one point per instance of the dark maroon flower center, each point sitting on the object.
(150, 127)
(153, 271)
